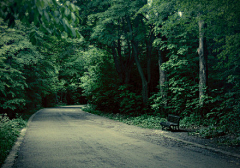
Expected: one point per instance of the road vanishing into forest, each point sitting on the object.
(67, 137)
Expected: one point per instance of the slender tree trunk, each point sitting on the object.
(118, 65)
(140, 70)
(123, 68)
(139, 67)
(162, 79)
(149, 57)
(202, 64)
(149, 64)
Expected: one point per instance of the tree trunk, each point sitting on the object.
(140, 70)
(162, 79)
(149, 64)
(123, 68)
(139, 67)
(128, 64)
(118, 65)
(202, 64)
(149, 55)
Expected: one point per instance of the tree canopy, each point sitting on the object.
(49, 16)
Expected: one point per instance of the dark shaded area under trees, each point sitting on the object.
(132, 57)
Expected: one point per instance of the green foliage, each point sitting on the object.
(92, 109)
(210, 132)
(13, 81)
(71, 67)
(182, 88)
(226, 115)
(178, 40)
(9, 131)
(26, 74)
(145, 121)
(66, 67)
(32, 75)
(99, 80)
(130, 102)
(194, 121)
(101, 86)
(50, 16)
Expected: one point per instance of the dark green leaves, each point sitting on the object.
(51, 16)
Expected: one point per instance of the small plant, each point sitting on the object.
(210, 132)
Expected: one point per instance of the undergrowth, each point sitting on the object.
(204, 128)
(9, 131)
(144, 121)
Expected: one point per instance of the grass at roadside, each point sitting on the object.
(144, 121)
(9, 131)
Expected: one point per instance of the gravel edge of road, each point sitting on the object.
(9, 162)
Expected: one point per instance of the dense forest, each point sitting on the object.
(130, 57)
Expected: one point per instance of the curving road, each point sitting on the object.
(70, 138)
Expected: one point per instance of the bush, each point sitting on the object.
(99, 82)
(130, 103)
(9, 131)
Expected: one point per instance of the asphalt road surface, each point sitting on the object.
(70, 138)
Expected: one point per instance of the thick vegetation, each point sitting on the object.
(133, 58)
(9, 131)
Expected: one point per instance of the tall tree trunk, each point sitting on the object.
(162, 79)
(140, 70)
(118, 65)
(123, 68)
(139, 67)
(128, 64)
(149, 57)
(202, 64)
(149, 64)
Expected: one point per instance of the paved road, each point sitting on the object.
(71, 138)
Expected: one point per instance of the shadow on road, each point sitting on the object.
(71, 106)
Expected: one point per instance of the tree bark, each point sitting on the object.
(140, 70)
(162, 79)
(149, 57)
(123, 68)
(202, 64)
(117, 63)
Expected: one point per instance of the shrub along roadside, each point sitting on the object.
(144, 121)
(10, 130)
